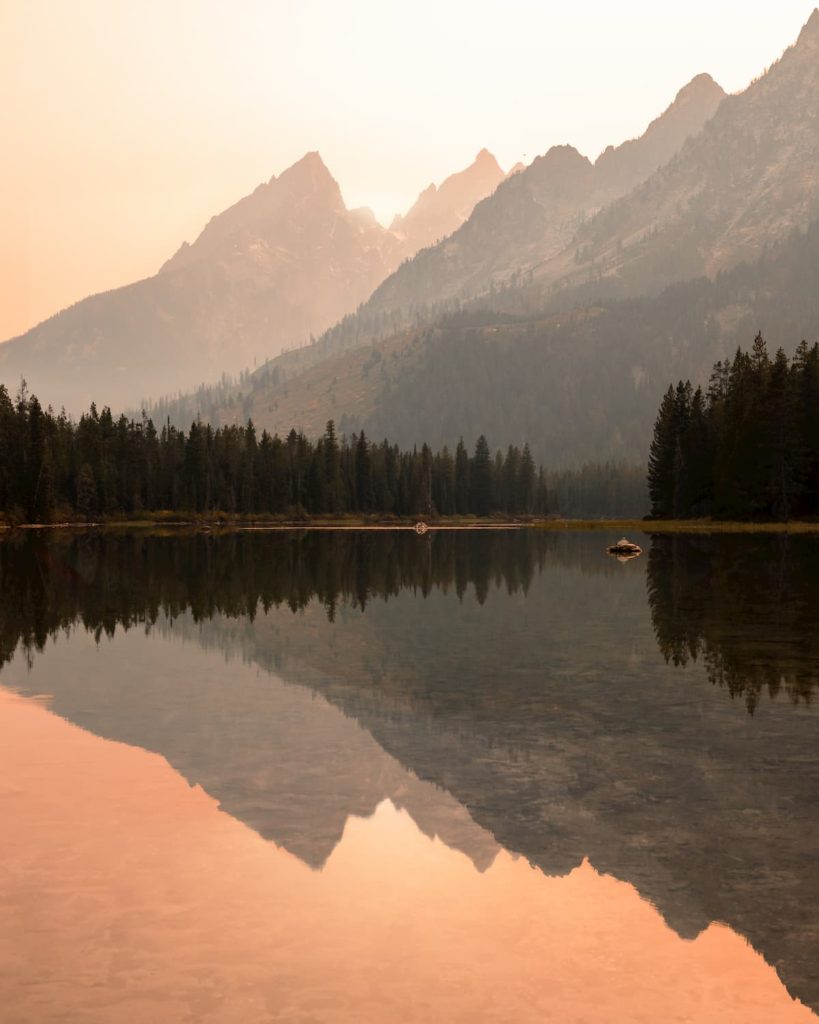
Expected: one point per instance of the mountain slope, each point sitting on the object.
(585, 387)
(533, 216)
(439, 211)
(280, 265)
(708, 185)
(579, 373)
(582, 386)
(745, 182)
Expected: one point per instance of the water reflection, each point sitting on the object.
(104, 580)
(745, 605)
(180, 913)
(506, 690)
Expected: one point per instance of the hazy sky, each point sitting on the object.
(128, 123)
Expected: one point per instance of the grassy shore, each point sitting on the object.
(221, 521)
(679, 526)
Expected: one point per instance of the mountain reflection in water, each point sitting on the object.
(505, 690)
(181, 913)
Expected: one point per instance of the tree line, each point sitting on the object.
(53, 468)
(616, 490)
(745, 448)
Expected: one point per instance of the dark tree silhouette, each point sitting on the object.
(52, 468)
(749, 449)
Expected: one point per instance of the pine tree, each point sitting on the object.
(86, 502)
(784, 458)
(694, 483)
(480, 478)
(508, 496)
(363, 474)
(681, 498)
(40, 466)
(541, 495)
(443, 496)
(662, 459)
(332, 470)
(461, 479)
(9, 443)
(525, 489)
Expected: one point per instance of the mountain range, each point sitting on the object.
(713, 182)
(439, 211)
(536, 215)
(281, 265)
(551, 306)
(560, 311)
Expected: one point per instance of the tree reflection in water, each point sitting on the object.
(744, 605)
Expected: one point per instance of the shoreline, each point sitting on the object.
(449, 523)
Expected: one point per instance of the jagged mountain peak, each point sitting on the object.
(566, 153)
(485, 166)
(533, 216)
(283, 263)
(484, 173)
(636, 159)
(486, 159)
(309, 176)
(441, 209)
(308, 179)
(810, 30)
(701, 84)
(695, 103)
(728, 210)
(559, 161)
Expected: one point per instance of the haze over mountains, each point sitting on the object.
(534, 212)
(551, 313)
(746, 181)
(708, 185)
(549, 319)
(538, 212)
(439, 211)
(282, 264)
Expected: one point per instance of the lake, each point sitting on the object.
(374, 777)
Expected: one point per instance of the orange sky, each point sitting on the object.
(127, 125)
(126, 894)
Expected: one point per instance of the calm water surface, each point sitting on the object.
(378, 777)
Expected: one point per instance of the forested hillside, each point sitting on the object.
(580, 387)
(585, 386)
(532, 215)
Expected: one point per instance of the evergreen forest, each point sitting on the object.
(52, 468)
(746, 448)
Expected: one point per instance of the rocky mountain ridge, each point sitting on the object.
(273, 270)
